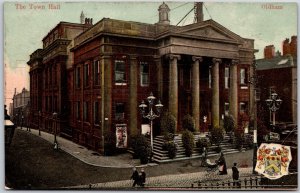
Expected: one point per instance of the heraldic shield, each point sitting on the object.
(273, 160)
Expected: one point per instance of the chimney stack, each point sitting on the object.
(198, 12)
(88, 21)
(286, 47)
(269, 52)
(293, 46)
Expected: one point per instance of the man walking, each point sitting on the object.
(134, 176)
(143, 177)
(235, 175)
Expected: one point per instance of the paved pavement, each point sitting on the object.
(171, 181)
(125, 161)
(88, 156)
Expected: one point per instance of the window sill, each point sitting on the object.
(244, 87)
(120, 84)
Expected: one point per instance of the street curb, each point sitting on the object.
(78, 157)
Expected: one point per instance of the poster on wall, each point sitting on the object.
(121, 135)
(145, 129)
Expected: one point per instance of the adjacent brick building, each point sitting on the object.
(278, 73)
(200, 69)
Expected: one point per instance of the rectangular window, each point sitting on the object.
(86, 111)
(96, 72)
(209, 77)
(243, 76)
(243, 107)
(77, 77)
(77, 110)
(144, 73)
(226, 109)
(120, 111)
(257, 94)
(96, 113)
(55, 104)
(86, 75)
(55, 75)
(226, 77)
(50, 104)
(120, 72)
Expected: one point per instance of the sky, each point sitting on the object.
(25, 25)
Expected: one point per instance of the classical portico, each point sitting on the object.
(202, 49)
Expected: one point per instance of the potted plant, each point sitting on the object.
(141, 148)
(217, 136)
(202, 143)
(188, 142)
(188, 123)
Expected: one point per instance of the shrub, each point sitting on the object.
(201, 143)
(171, 147)
(229, 123)
(239, 138)
(169, 136)
(188, 142)
(168, 123)
(110, 144)
(188, 123)
(145, 153)
(141, 148)
(217, 135)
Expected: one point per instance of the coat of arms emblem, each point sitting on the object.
(273, 160)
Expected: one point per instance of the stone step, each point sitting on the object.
(161, 155)
(194, 156)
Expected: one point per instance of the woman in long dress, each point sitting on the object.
(222, 165)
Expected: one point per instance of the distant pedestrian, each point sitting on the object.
(142, 178)
(134, 177)
(235, 175)
(222, 165)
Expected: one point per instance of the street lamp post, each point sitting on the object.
(22, 119)
(273, 103)
(151, 114)
(39, 116)
(55, 127)
(254, 82)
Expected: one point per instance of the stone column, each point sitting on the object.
(173, 85)
(215, 93)
(133, 96)
(196, 90)
(233, 92)
(106, 86)
(159, 77)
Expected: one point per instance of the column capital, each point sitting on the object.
(234, 61)
(173, 56)
(194, 58)
(216, 60)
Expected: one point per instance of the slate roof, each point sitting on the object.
(276, 62)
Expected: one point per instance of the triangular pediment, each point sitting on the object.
(210, 30)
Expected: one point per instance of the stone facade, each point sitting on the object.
(199, 69)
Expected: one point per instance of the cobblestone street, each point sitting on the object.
(172, 181)
(32, 163)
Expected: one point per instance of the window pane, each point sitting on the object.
(96, 112)
(144, 73)
(120, 76)
(96, 72)
(120, 111)
(243, 76)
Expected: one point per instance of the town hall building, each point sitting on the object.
(201, 69)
